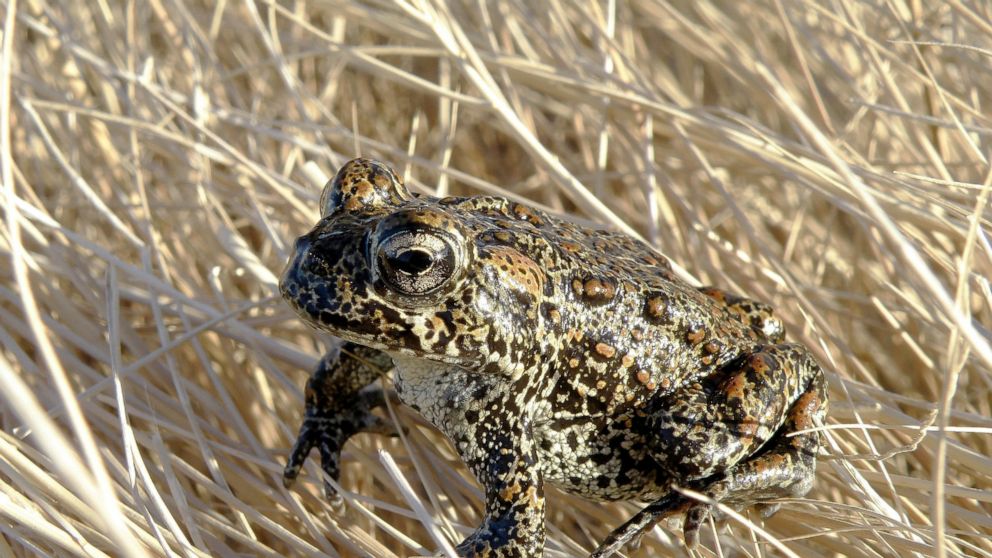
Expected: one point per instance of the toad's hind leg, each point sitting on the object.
(734, 439)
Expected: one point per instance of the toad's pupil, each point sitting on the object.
(412, 262)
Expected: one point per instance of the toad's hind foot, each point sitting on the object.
(672, 504)
(631, 532)
(783, 468)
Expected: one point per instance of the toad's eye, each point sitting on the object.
(411, 262)
(415, 262)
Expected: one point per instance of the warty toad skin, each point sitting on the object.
(548, 353)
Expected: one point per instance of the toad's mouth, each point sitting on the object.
(397, 345)
(393, 340)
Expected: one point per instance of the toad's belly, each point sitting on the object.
(445, 394)
(598, 459)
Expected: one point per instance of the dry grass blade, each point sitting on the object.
(159, 156)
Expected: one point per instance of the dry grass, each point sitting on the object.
(829, 156)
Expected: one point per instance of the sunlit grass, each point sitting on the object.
(159, 157)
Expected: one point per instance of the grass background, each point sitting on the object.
(159, 156)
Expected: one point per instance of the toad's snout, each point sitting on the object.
(316, 281)
(290, 282)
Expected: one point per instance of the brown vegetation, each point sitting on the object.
(159, 156)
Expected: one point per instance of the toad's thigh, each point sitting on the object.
(708, 426)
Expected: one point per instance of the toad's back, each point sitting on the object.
(615, 322)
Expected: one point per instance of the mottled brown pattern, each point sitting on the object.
(547, 352)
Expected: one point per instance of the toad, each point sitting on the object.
(548, 353)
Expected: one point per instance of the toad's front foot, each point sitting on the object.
(328, 428)
(517, 534)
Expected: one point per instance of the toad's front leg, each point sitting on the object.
(499, 449)
(339, 405)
